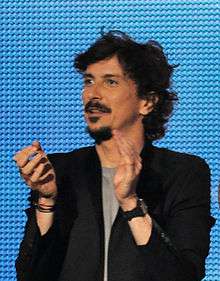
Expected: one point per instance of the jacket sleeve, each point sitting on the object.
(38, 253)
(32, 247)
(178, 251)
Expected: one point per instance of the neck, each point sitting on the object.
(108, 151)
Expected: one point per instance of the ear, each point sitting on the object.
(148, 104)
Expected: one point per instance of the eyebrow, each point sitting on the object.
(89, 75)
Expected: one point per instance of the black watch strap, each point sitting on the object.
(139, 211)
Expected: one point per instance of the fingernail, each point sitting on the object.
(36, 143)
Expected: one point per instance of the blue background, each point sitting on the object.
(40, 91)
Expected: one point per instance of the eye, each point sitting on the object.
(111, 82)
(88, 82)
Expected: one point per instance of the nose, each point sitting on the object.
(93, 92)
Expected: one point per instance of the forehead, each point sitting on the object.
(106, 66)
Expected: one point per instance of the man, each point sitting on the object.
(122, 210)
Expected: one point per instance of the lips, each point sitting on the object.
(95, 110)
(94, 114)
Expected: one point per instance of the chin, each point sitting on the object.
(100, 134)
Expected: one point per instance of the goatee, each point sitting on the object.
(100, 135)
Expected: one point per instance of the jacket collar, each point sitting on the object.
(149, 186)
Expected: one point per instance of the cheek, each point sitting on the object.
(119, 98)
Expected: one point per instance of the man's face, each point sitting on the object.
(110, 97)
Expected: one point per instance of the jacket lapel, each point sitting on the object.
(94, 179)
(93, 173)
(150, 185)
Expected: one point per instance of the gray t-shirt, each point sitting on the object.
(110, 208)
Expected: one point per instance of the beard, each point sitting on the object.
(100, 135)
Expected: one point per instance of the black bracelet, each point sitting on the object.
(40, 208)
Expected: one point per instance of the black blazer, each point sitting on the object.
(176, 188)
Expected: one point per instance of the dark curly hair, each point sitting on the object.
(147, 65)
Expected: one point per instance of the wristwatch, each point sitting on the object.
(139, 211)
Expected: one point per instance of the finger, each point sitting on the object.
(138, 167)
(125, 142)
(129, 147)
(47, 167)
(22, 157)
(46, 178)
(132, 170)
(41, 172)
(29, 167)
(130, 159)
(126, 156)
(126, 150)
(37, 173)
(38, 147)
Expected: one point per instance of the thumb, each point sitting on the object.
(37, 144)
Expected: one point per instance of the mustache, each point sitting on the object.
(91, 105)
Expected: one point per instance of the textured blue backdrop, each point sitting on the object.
(40, 92)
